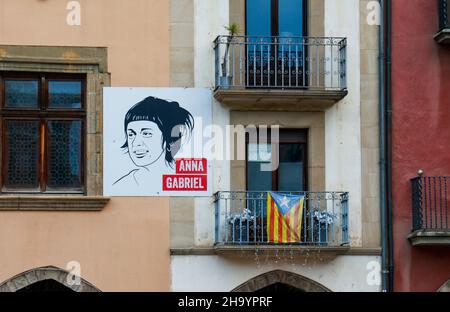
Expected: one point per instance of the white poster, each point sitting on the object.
(153, 142)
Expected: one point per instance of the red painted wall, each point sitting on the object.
(421, 134)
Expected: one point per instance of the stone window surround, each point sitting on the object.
(314, 122)
(91, 61)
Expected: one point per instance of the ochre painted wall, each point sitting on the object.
(122, 248)
(136, 33)
(421, 134)
(125, 247)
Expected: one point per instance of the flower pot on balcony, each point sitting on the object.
(323, 221)
(237, 229)
(321, 234)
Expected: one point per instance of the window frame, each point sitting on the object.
(292, 136)
(43, 113)
(274, 18)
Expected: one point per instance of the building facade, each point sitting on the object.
(51, 224)
(420, 162)
(311, 68)
(304, 69)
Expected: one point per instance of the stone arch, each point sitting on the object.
(282, 277)
(33, 276)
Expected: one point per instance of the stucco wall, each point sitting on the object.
(213, 273)
(136, 33)
(122, 248)
(420, 134)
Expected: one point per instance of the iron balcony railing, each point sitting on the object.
(430, 203)
(241, 219)
(444, 13)
(280, 62)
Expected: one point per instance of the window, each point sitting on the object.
(43, 122)
(283, 18)
(290, 176)
(275, 55)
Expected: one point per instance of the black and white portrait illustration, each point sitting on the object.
(146, 130)
(154, 130)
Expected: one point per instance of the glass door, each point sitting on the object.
(275, 51)
(289, 176)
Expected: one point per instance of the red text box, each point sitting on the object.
(191, 166)
(183, 182)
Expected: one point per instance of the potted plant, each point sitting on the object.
(225, 79)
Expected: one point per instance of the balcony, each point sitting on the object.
(280, 73)
(430, 211)
(443, 36)
(241, 223)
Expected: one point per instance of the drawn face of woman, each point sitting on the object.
(144, 142)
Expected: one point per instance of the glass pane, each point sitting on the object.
(64, 94)
(21, 93)
(22, 154)
(258, 18)
(291, 170)
(259, 180)
(290, 18)
(290, 24)
(64, 154)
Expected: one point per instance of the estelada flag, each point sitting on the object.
(284, 217)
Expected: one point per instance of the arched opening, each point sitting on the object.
(280, 281)
(279, 288)
(45, 279)
(46, 286)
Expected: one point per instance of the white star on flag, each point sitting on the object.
(284, 202)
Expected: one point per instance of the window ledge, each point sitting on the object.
(53, 203)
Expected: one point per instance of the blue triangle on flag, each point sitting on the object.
(285, 202)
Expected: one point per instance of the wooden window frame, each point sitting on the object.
(274, 4)
(293, 136)
(43, 113)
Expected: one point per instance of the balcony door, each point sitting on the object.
(275, 50)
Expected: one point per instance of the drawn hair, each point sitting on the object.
(172, 120)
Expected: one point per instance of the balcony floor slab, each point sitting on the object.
(443, 37)
(270, 250)
(430, 237)
(279, 99)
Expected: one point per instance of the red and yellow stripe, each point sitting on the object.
(284, 229)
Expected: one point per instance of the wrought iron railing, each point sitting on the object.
(430, 203)
(280, 62)
(241, 219)
(444, 14)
